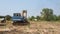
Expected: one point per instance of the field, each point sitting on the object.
(40, 27)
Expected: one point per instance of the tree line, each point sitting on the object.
(46, 15)
(7, 17)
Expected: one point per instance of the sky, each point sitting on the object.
(33, 7)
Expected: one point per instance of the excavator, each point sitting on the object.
(19, 18)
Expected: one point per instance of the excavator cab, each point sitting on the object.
(17, 18)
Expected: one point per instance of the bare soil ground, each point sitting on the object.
(41, 27)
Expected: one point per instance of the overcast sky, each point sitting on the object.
(33, 7)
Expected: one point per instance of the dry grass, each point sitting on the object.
(41, 27)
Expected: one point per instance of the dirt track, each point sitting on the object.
(37, 28)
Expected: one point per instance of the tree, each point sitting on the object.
(2, 16)
(38, 17)
(54, 17)
(8, 17)
(32, 18)
(58, 17)
(47, 14)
